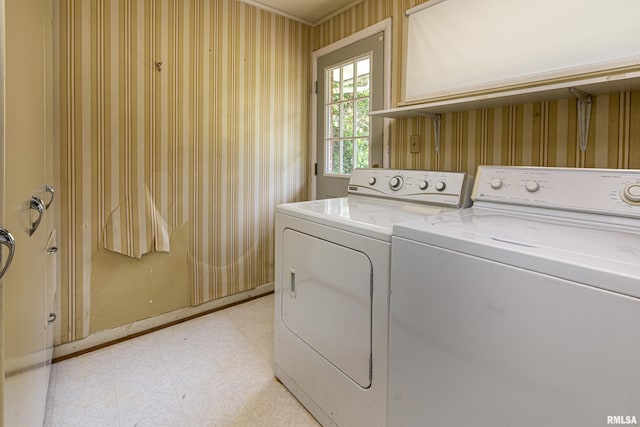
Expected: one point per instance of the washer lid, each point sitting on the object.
(373, 217)
(606, 256)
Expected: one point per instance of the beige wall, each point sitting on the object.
(170, 177)
(541, 134)
(125, 290)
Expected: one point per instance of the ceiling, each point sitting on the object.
(311, 12)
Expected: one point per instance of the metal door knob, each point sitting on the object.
(6, 239)
(49, 189)
(37, 205)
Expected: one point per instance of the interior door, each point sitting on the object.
(350, 84)
(24, 196)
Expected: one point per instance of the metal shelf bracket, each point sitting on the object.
(436, 128)
(584, 116)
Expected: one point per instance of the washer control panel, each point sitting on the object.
(610, 191)
(434, 187)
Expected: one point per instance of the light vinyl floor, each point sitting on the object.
(215, 370)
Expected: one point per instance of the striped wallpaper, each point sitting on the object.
(538, 134)
(174, 112)
(543, 134)
(195, 113)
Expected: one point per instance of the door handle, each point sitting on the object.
(49, 189)
(292, 282)
(36, 204)
(52, 318)
(6, 239)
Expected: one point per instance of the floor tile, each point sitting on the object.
(215, 370)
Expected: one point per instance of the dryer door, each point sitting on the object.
(326, 301)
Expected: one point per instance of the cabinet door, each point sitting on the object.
(23, 306)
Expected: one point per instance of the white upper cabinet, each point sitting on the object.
(466, 54)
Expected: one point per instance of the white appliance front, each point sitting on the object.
(331, 321)
(509, 314)
(332, 274)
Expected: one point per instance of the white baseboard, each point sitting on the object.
(104, 337)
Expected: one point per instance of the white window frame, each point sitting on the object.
(341, 138)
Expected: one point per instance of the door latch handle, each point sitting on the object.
(49, 189)
(36, 204)
(292, 282)
(6, 239)
(52, 318)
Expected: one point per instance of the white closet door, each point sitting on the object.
(466, 46)
(27, 37)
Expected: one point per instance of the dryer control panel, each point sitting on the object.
(599, 191)
(434, 187)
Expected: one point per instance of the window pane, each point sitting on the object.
(333, 157)
(363, 67)
(334, 121)
(362, 156)
(347, 156)
(363, 86)
(347, 81)
(334, 85)
(362, 117)
(363, 77)
(347, 119)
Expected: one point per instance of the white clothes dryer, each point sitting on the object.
(332, 288)
(523, 310)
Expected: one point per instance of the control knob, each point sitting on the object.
(532, 186)
(423, 185)
(396, 183)
(631, 193)
(496, 183)
(440, 186)
(372, 180)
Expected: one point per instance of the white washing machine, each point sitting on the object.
(332, 288)
(523, 310)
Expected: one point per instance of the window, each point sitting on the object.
(347, 104)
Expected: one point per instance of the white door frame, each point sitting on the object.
(382, 26)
